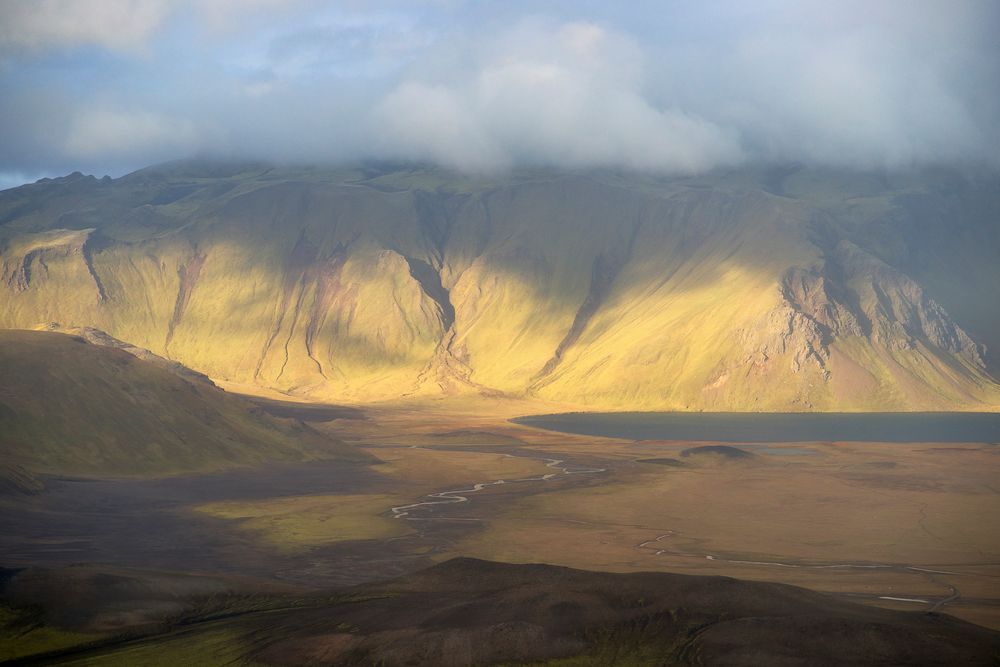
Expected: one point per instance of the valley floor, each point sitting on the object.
(902, 526)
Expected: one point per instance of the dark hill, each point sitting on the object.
(473, 612)
(70, 407)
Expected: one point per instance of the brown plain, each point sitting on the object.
(866, 520)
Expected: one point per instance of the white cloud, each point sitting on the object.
(115, 24)
(110, 133)
(886, 84)
(567, 94)
(425, 122)
(675, 87)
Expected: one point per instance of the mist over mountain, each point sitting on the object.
(747, 289)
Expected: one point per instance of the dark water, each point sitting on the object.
(778, 427)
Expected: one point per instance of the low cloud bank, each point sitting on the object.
(113, 85)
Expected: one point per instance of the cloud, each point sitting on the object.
(674, 88)
(116, 134)
(886, 84)
(114, 24)
(568, 94)
(435, 123)
(119, 25)
(229, 15)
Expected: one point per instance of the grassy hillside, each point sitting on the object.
(70, 407)
(745, 290)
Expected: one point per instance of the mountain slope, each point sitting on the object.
(767, 289)
(461, 612)
(69, 407)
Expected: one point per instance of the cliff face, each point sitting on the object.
(744, 290)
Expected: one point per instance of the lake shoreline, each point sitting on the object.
(763, 427)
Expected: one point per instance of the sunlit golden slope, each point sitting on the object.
(770, 289)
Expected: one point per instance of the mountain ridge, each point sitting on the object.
(843, 291)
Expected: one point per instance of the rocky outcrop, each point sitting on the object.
(786, 333)
(103, 339)
(853, 293)
(898, 311)
(29, 257)
(822, 300)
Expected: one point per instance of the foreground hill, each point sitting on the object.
(464, 612)
(759, 289)
(68, 406)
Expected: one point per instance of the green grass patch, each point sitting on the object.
(23, 632)
(300, 522)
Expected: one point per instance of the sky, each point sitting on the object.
(109, 86)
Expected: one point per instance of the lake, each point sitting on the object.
(777, 427)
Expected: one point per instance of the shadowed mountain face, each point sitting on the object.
(790, 289)
(68, 406)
